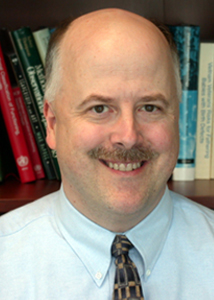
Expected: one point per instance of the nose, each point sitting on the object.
(125, 132)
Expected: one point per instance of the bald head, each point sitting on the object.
(109, 33)
(116, 92)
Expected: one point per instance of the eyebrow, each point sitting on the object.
(156, 97)
(107, 100)
(95, 98)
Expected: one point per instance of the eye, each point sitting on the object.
(149, 108)
(99, 109)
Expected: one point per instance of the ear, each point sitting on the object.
(51, 124)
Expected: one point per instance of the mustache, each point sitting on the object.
(126, 155)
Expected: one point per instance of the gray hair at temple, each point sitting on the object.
(53, 69)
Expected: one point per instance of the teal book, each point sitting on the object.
(34, 73)
(187, 39)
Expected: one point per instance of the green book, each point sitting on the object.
(34, 73)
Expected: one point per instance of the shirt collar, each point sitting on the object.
(92, 243)
(150, 234)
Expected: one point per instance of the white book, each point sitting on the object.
(212, 145)
(204, 114)
(42, 38)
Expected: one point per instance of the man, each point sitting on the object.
(111, 105)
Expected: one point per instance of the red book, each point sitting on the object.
(28, 133)
(13, 125)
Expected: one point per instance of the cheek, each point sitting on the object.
(79, 137)
(164, 138)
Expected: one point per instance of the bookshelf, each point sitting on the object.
(13, 194)
(17, 13)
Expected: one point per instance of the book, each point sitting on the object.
(42, 37)
(34, 74)
(212, 145)
(13, 125)
(187, 39)
(8, 52)
(205, 111)
(34, 119)
(28, 132)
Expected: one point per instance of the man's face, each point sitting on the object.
(116, 130)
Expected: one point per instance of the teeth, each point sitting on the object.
(129, 167)
(123, 167)
(134, 166)
(115, 166)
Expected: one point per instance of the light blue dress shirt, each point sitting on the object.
(48, 250)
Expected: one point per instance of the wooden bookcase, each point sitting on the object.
(13, 194)
(35, 13)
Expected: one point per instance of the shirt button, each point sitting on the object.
(98, 275)
(148, 273)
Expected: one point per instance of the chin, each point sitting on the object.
(128, 206)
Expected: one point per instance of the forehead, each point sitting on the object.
(115, 34)
(111, 46)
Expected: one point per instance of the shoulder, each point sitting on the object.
(20, 218)
(188, 206)
(191, 236)
(191, 215)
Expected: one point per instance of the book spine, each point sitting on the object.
(205, 108)
(212, 145)
(17, 76)
(34, 73)
(34, 119)
(29, 136)
(42, 38)
(13, 126)
(187, 39)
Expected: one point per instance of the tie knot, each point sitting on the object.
(121, 245)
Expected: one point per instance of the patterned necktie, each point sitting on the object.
(127, 283)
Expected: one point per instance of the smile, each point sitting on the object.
(125, 167)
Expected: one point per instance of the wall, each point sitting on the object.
(16, 13)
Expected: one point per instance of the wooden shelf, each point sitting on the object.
(13, 194)
(201, 191)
